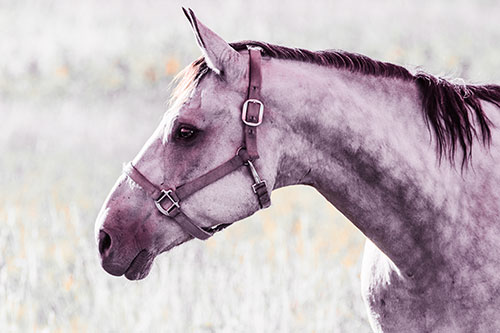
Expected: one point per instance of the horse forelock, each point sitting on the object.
(453, 111)
(186, 80)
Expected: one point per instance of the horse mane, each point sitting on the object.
(451, 109)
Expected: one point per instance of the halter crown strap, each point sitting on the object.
(252, 116)
(168, 201)
(253, 108)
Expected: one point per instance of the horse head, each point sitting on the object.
(202, 131)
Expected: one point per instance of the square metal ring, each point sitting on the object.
(166, 194)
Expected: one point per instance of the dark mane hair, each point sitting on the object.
(452, 110)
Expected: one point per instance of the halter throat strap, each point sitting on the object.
(168, 201)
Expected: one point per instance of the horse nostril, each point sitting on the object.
(104, 242)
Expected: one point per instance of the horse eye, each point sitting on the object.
(186, 133)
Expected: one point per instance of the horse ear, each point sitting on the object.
(219, 55)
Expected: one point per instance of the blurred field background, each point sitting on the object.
(83, 85)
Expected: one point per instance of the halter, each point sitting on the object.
(168, 200)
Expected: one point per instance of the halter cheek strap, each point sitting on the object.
(168, 200)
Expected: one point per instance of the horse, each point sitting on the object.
(409, 158)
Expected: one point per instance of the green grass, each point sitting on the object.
(83, 85)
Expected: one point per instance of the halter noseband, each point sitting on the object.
(252, 116)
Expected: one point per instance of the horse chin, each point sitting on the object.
(140, 266)
(178, 241)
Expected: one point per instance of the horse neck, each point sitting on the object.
(362, 142)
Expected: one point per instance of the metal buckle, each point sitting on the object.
(166, 194)
(254, 186)
(256, 177)
(245, 109)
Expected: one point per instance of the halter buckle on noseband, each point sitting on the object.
(174, 203)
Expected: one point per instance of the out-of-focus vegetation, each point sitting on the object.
(82, 86)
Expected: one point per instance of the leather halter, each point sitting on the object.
(168, 200)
